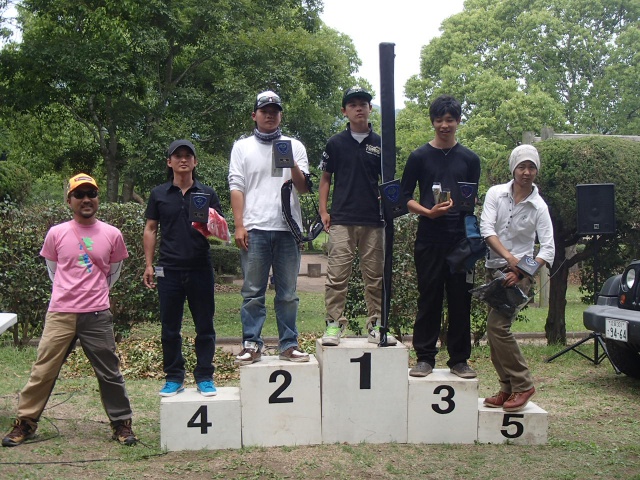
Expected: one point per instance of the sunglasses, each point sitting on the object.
(80, 194)
(267, 99)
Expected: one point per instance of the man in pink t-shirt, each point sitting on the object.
(84, 257)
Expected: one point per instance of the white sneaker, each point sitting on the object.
(374, 336)
(332, 334)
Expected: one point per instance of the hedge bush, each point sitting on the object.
(25, 287)
(404, 289)
(225, 259)
(15, 182)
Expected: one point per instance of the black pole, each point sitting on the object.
(388, 167)
(595, 271)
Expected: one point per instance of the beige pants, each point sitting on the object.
(343, 242)
(95, 331)
(511, 367)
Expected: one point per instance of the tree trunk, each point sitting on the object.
(555, 327)
(127, 189)
(128, 192)
(113, 176)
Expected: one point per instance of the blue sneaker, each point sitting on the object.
(207, 388)
(171, 388)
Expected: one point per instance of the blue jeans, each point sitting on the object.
(279, 251)
(197, 287)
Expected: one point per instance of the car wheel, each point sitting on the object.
(624, 357)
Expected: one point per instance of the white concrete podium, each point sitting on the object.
(7, 320)
(280, 402)
(364, 392)
(443, 408)
(189, 421)
(526, 427)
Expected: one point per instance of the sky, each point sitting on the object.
(410, 24)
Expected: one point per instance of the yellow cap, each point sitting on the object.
(79, 180)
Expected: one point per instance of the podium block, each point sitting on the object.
(7, 320)
(280, 402)
(526, 427)
(364, 392)
(443, 408)
(189, 421)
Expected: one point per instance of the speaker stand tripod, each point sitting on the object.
(598, 341)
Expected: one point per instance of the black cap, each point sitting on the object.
(355, 91)
(180, 143)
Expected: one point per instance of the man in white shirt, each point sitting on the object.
(262, 233)
(512, 215)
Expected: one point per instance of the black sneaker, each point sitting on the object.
(23, 429)
(463, 370)
(123, 433)
(422, 369)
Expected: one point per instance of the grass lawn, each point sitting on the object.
(536, 317)
(311, 314)
(592, 413)
(594, 429)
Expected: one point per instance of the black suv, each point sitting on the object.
(616, 316)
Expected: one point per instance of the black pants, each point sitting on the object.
(434, 278)
(197, 287)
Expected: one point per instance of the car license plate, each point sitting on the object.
(616, 329)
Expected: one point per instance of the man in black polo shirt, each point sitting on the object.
(352, 157)
(184, 270)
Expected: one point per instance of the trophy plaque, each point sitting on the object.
(528, 265)
(392, 199)
(467, 193)
(199, 207)
(282, 154)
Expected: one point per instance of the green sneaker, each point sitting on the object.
(332, 334)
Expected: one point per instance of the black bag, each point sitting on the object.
(469, 250)
(507, 300)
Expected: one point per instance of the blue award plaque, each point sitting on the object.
(282, 154)
(466, 198)
(393, 201)
(199, 207)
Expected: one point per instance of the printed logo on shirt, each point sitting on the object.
(323, 162)
(83, 259)
(373, 150)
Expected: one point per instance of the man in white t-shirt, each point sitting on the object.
(262, 233)
(84, 257)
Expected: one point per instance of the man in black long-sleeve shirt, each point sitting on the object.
(443, 160)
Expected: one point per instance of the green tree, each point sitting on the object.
(566, 163)
(570, 50)
(136, 75)
(520, 65)
(5, 31)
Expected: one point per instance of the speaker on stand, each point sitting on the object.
(596, 207)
